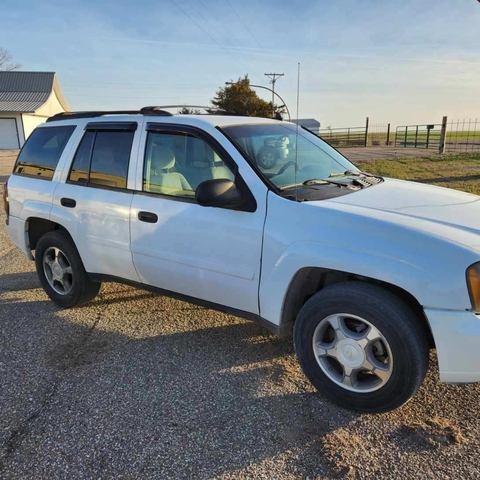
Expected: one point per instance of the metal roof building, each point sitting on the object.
(26, 100)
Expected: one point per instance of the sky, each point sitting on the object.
(403, 62)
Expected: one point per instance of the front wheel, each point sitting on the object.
(361, 346)
(61, 271)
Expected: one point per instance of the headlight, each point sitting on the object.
(473, 283)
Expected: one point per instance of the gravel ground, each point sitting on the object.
(140, 386)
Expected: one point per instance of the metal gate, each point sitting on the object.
(419, 136)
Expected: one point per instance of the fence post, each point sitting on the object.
(406, 132)
(388, 134)
(366, 132)
(443, 136)
(416, 137)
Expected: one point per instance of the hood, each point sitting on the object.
(438, 211)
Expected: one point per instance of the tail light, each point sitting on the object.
(6, 205)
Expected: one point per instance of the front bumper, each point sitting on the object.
(457, 339)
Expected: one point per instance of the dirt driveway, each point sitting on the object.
(140, 386)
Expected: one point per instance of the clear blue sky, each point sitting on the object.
(407, 61)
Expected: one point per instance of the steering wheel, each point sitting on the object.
(287, 165)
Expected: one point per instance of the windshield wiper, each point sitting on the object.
(315, 181)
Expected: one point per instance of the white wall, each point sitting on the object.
(30, 122)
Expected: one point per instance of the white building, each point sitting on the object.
(26, 100)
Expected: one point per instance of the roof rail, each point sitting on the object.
(152, 110)
(143, 111)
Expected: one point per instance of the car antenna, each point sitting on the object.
(296, 134)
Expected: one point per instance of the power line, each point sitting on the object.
(205, 31)
(137, 96)
(243, 23)
(139, 84)
(213, 26)
(221, 23)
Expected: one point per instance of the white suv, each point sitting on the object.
(370, 272)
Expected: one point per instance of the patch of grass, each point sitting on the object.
(461, 172)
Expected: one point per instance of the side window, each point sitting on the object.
(111, 153)
(176, 163)
(42, 151)
(102, 159)
(81, 162)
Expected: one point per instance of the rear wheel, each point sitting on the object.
(61, 271)
(361, 346)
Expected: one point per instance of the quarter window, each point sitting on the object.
(176, 163)
(102, 159)
(42, 151)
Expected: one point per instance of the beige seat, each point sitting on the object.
(207, 165)
(162, 160)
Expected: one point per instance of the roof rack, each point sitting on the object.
(152, 110)
(88, 114)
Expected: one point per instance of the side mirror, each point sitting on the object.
(218, 192)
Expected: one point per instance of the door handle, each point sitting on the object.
(148, 217)
(68, 202)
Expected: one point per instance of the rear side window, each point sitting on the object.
(42, 151)
(102, 159)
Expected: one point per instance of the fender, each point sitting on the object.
(425, 284)
(66, 218)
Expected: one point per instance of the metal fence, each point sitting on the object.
(345, 137)
(463, 136)
(419, 136)
(449, 137)
(367, 136)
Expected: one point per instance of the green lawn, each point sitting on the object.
(461, 172)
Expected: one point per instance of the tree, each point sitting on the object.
(5, 59)
(189, 111)
(239, 98)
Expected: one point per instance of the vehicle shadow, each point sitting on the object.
(157, 388)
(19, 281)
(191, 404)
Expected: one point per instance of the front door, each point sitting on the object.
(204, 252)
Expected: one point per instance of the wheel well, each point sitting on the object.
(37, 227)
(311, 280)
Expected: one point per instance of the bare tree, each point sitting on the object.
(5, 61)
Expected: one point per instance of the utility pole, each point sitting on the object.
(273, 78)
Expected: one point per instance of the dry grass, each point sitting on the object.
(461, 172)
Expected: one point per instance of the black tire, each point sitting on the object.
(267, 157)
(82, 289)
(392, 317)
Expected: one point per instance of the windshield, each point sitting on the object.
(275, 147)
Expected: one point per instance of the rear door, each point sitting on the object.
(208, 253)
(94, 201)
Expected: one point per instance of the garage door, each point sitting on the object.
(8, 134)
